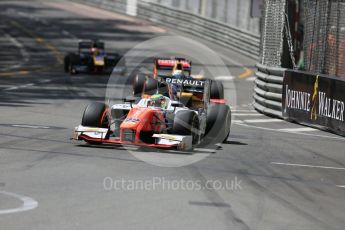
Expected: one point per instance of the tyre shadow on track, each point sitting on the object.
(234, 143)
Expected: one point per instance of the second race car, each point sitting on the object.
(90, 58)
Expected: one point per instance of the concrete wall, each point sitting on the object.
(232, 12)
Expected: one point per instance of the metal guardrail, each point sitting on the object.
(225, 35)
(268, 90)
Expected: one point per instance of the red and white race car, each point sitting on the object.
(156, 121)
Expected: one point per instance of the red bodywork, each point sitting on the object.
(171, 63)
(218, 101)
(139, 121)
(143, 120)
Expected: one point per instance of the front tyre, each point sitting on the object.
(218, 123)
(186, 123)
(96, 115)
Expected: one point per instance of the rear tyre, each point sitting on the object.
(138, 84)
(66, 63)
(73, 60)
(186, 123)
(150, 86)
(216, 90)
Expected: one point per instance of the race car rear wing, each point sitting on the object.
(188, 85)
(169, 64)
(85, 45)
(90, 44)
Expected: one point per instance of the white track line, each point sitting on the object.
(27, 85)
(11, 88)
(205, 150)
(243, 111)
(225, 78)
(17, 87)
(303, 129)
(241, 123)
(247, 114)
(262, 120)
(28, 203)
(307, 166)
(340, 186)
(250, 78)
(31, 126)
(21, 48)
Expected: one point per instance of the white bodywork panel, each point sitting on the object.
(182, 142)
(90, 131)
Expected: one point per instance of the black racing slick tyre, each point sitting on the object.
(138, 84)
(150, 86)
(218, 122)
(66, 63)
(96, 115)
(186, 123)
(216, 90)
(72, 60)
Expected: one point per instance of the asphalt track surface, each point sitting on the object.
(283, 175)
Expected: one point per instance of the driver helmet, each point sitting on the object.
(158, 100)
(178, 74)
(95, 50)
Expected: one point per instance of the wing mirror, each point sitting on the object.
(176, 104)
(130, 99)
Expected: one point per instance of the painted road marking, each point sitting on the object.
(340, 186)
(225, 78)
(17, 87)
(58, 56)
(205, 150)
(246, 73)
(20, 46)
(242, 75)
(262, 120)
(26, 85)
(66, 33)
(250, 78)
(243, 110)
(247, 114)
(45, 81)
(276, 130)
(9, 74)
(303, 129)
(32, 126)
(307, 166)
(11, 88)
(28, 203)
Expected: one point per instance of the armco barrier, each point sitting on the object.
(231, 37)
(268, 90)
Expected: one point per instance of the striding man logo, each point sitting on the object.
(313, 114)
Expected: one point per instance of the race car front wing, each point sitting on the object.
(100, 135)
